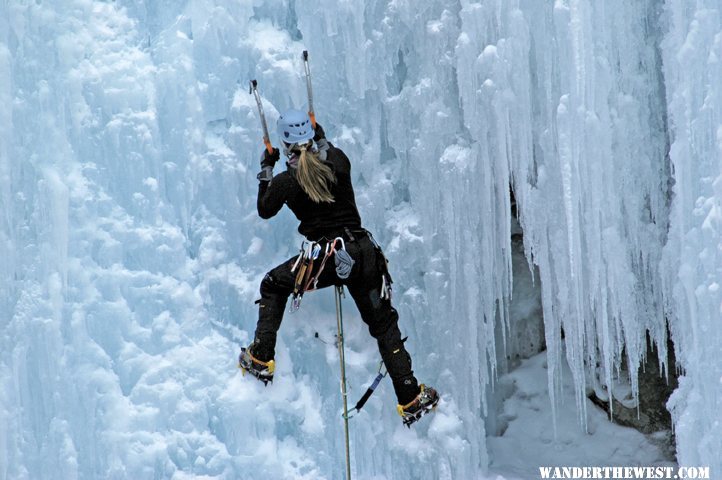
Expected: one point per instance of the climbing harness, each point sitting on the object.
(303, 266)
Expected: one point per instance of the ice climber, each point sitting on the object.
(317, 188)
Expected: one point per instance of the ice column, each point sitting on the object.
(591, 194)
(692, 51)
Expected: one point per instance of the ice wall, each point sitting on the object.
(132, 253)
(693, 256)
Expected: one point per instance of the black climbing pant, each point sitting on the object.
(364, 285)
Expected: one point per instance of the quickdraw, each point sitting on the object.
(362, 401)
(385, 287)
(386, 280)
(305, 279)
(303, 262)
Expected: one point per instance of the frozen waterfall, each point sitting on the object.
(131, 252)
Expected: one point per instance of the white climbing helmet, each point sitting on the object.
(294, 126)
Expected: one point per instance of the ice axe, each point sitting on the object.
(311, 114)
(266, 139)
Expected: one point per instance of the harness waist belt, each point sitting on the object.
(349, 234)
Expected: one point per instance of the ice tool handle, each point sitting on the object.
(309, 89)
(266, 139)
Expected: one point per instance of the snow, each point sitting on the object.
(525, 419)
(132, 253)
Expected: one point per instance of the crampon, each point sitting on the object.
(259, 369)
(424, 403)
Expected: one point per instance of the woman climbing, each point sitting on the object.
(317, 187)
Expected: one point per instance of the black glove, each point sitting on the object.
(269, 159)
(319, 133)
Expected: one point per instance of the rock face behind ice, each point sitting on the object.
(649, 414)
(131, 252)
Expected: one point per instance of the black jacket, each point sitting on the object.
(317, 219)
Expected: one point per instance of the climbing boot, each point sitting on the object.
(424, 402)
(259, 369)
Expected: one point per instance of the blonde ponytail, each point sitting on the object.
(315, 177)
